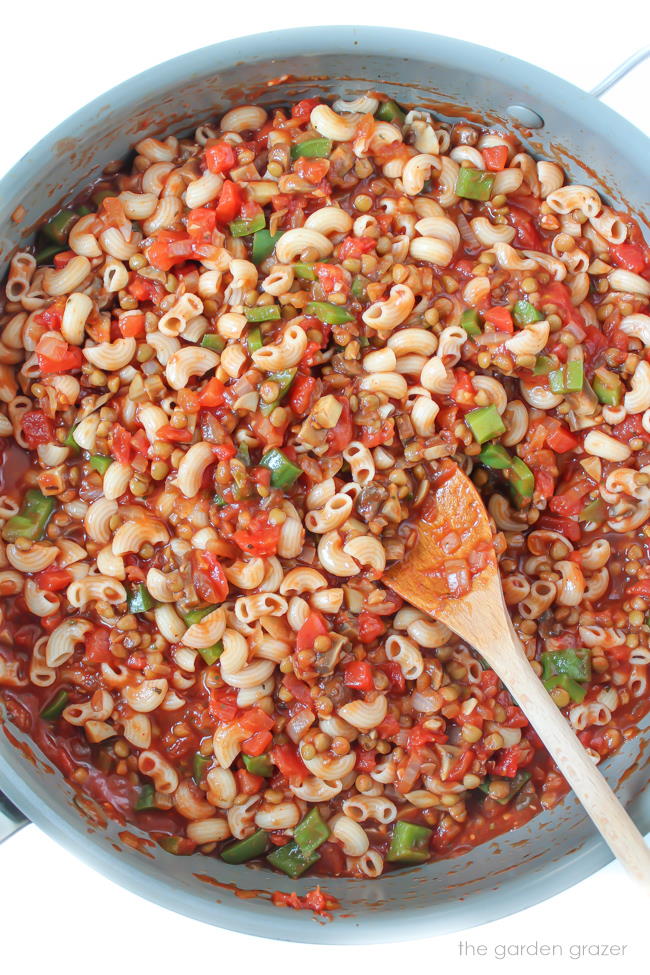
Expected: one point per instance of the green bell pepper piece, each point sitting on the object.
(211, 654)
(100, 463)
(485, 423)
(525, 314)
(568, 379)
(576, 691)
(254, 340)
(409, 843)
(264, 244)
(58, 228)
(304, 271)
(543, 365)
(248, 849)
(515, 785)
(291, 860)
(496, 457)
(70, 440)
(474, 184)
(358, 288)
(244, 454)
(311, 832)
(389, 111)
(196, 615)
(522, 481)
(329, 313)
(471, 321)
(263, 313)
(259, 765)
(573, 663)
(45, 254)
(54, 708)
(146, 798)
(199, 764)
(214, 342)
(244, 228)
(139, 599)
(219, 500)
(316, 148)
(284, 378)
(595, 511)
(99, 196)
(31, 521)
(284, 472)
(608, 387)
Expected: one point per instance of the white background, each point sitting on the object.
(57, 915)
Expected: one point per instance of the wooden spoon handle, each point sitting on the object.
(589, 785)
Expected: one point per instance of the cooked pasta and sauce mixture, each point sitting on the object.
(229, 373)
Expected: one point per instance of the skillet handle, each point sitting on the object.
(11, 818)
(620, 72)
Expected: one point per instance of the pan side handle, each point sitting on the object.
(11, 818)
(620, 72)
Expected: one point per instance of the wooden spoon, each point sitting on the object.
(481, 619)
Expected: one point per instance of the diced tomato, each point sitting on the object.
(332, 278)
(247, 783)
(418, 736)
(63, 258)
(37, 428)
(55, 355)
(631, 426)
(97, 647)
(629, 256)
(500, 318)
(121, 444)
(526, 235)
(260, 538)
(355, 247)
(366, 761)
(463, 392)
(569, 501)
(230, 201)
(341, 434)
(394, 673)
(169, 247)
(561, 439)
(370, 626)
(131, 324)
(512, 759)
(54, 580)
(52, 316)
(220, 157)
(565, 526)
(303, 109)
(257, 743)
(389, 727)
(301, 394)
(224, 451)
(188, 401)
(201, 222)
(461, 766)
(383, 434)
(640, 588)
(594, 343)
(489, 682)
(144, 289)
(315, 625)
(311, 170)
(173, 434)
(495, 158)
(287, 759)
(208, 576)
(298, 689)
(254, 719)
(212, 394)
(515, 717)
(358, 674)
(223, 703)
